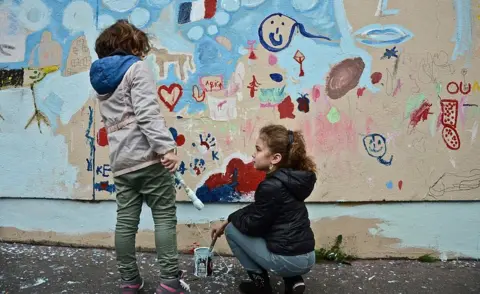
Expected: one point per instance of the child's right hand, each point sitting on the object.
(170, 161)
(218, 231)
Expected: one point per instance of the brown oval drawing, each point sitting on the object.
(344, 77)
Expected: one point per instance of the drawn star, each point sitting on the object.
(389, 53)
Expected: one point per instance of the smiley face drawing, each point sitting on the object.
(376, 146)
(276, 32)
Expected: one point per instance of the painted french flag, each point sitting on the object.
(195, 11)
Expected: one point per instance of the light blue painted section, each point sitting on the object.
(386, 12)
(377, 35)
(463, 31)
(32, 164)
(450, 228)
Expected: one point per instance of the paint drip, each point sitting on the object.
(203, 262)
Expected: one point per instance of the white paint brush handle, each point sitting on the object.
(196, 202)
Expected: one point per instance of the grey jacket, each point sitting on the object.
(131, 112)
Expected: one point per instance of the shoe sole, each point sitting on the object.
(300, 289)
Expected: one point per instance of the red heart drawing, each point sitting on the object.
(170, 95)
(400, 184)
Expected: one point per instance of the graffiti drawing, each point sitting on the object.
(170, 95)
(376, 146)
(277, 30)
(344, 77)
(455, 182)
(225, 68)
(383, 36)
(23, 78)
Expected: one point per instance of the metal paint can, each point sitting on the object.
(203, 262)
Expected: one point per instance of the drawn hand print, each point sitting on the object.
(376, 146)
(206, 143)
(197, 167)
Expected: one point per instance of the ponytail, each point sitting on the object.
(297, 157)
(291, 145)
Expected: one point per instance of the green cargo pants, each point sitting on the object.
(154, 185)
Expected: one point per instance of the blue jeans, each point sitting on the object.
(255, 257)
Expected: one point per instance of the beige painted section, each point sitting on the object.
(355, 231)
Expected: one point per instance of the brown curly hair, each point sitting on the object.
(294, 155)
(123, 36)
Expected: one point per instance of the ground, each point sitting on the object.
(39, 269)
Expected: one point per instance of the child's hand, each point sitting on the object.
(170, 161)
(218, 231)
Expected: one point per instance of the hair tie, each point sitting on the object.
(290, 138)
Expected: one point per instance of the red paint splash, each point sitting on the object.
(248, 177)
(400, 184)
(360, 92)
(376, 77)
(180, 140)
(286, 108)
(102, 137)
(316, 93)
(420, 114)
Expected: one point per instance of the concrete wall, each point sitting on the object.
(385, 92)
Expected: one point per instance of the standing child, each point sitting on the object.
(142, 152)
(273, 233)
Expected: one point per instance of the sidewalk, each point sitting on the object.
(37, 269)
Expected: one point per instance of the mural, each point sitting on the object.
(382, 96)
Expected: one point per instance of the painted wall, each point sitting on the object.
(385, 93)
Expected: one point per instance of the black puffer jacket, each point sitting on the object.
(279, 214)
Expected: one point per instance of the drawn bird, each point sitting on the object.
(23, 78)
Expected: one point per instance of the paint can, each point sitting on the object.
(203, 262)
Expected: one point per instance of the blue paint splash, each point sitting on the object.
(276, 77)
(463, 31)
(105, 186)
(389, 185)
(223, 193)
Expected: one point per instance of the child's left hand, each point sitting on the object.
(170, 161)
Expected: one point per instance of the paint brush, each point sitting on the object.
(214, 240)
(196, 202)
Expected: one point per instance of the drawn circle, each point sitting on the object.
(456, 90)
(252, 3)
(77, 16)
(304, 5)
(212, 30)
(222, 18)
(231, 5)
(195, 33)
(276, 32)
(34, 15)
(158, 3)
(139, 17)
(105, 20)
(120, 5)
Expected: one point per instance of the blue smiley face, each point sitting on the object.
(276, 32)
(375, 145)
